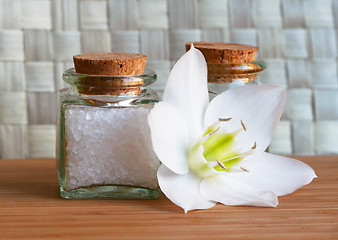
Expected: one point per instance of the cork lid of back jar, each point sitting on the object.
(223, 60)
(110, 73)
(219, 52)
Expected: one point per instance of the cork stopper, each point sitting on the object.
(106, 65)
(115, 64)
(223, 60)
(217, 52)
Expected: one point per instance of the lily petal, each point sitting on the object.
(187, 90)
(183, 190)
(169, 137)
(258, 107)
(224, 189)
(281, 175)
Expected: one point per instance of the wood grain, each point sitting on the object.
(31, 208)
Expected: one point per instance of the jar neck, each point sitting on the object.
(130, 85)
(234, 72)
(109, 86)
(241, 78)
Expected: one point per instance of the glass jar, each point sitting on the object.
(104, 148)
(224, 76)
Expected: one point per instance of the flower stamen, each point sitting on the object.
(224, 119)
(243, 125)
(239, 156)
(254, 146)
(245, 170)
(213, 132)
(221, 164)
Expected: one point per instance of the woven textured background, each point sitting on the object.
(297, 39)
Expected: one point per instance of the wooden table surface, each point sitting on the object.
(31, 208)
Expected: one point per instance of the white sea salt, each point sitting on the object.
(109, 146)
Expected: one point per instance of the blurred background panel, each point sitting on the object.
(296, 38)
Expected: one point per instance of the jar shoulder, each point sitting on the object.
(147, 97)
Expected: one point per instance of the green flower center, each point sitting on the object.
(214, 151)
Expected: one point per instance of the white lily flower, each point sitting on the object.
(216, 152)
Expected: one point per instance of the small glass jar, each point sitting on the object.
(224, 76)
(104, 148)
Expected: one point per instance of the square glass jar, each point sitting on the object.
(104, 147)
